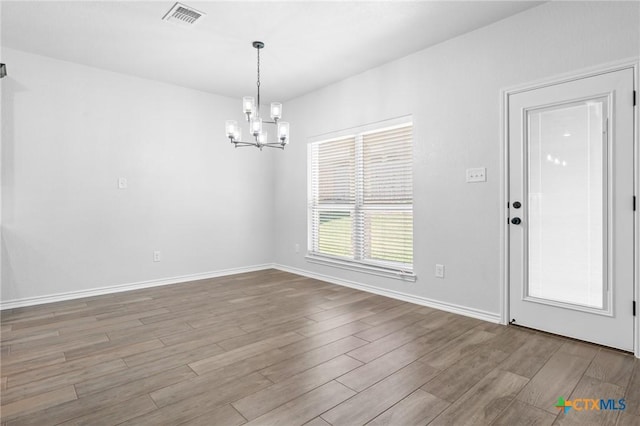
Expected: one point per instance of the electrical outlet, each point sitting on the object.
(122, 183)
(156, 256)
(478, 174)
(297, 248)
(439, 271)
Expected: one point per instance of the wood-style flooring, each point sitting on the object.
(272, 348)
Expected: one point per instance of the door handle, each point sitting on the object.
(516, 221)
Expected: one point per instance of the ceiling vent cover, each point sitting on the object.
(183, 14)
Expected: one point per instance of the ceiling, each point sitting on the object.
(308, 44)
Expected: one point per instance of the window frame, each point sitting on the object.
(379, 268)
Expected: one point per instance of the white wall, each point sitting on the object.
(69, 132)
(453, 92)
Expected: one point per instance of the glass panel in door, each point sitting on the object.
(567, 194)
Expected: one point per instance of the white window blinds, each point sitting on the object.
(334, 197)
(361, 198)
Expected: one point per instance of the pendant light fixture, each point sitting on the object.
(251, 109)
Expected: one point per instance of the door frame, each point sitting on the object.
(630, 63)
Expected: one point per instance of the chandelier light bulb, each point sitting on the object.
(283, 132)
(231, 127)
(248, 105)
(256, 125)
(262, 138)
(276, 110)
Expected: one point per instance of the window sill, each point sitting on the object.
(359, 267)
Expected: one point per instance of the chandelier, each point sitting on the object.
(251, 109)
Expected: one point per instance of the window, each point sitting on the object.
(361, 200)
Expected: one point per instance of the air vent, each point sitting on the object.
(183, 14)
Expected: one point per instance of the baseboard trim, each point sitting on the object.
(61, 297)
(423, 301)
(418, 300)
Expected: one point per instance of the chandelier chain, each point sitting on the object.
(258, 83)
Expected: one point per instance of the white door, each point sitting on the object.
(571, 208)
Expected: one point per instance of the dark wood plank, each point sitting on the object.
(318, 421)
(558, 377)
(612, 367)
(74, 365)
(464, 374)
(213, 335)
(386, 328)
(388, 343)
(419, 408)
(457, 349)
(626, 419)
(305, 407)
(16, 393)
(261, 402)
(519, 413)
(389, 314)
(332, 323)
(17, 367)
(218, 378)
(259, 335)
(632, 394)
(112, 397)
(287, 368)
(529, 358)
(186, 352)
(214, 397)
(37, 402)
(379, 368)
(581, 349)
(229, 357)
(378, 398)
(108, 416)
(325, 338)
(485, 401)
(225, 415)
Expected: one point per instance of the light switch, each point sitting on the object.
(122, 183)
(479, 174)
(439, 271)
